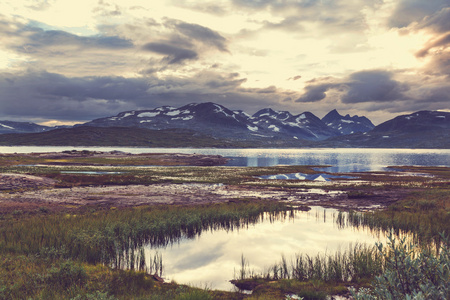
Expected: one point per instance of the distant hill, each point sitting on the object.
(113, 136)
(422, 129)
(21, 127)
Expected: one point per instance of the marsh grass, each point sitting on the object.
(424, 214)
(115, 237)
(64, 256)
(356, 264)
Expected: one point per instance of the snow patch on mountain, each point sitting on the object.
(173, 113)
(274, 128)
(6, 126)
(128, 114)
(148, 114)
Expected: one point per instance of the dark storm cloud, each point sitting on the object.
(374, 85)
(364, 86)
(202, 34)
(379, 90)
(33, 40)
(50, 95)
(174, 55)
(50, 85)
(410, 11)
(317, 92)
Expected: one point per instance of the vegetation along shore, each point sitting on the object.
(73, 226)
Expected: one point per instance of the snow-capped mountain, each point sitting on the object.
(305, 126)
(419, 121)
(208, 118)
(220, 122)
(422, 129)
(21, 127)
(347, 124)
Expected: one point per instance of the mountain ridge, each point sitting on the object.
(219, 126)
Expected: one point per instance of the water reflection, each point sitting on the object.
(303, 176)
(214, 257)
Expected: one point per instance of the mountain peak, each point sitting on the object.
(331, 116)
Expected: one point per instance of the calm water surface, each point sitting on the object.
(213, 258)
(341, 160)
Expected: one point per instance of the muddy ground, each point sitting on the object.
(27, 193)
(42, 194)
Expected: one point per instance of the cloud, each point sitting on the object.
(380, 90)
(54, 96)
(35, 38)
(329, 17)
(442, 41)
(408, 12)
(363, 86)
(317, 92)
(437, 21)
(212, 7)
(201, 34)
(51, 96)
(373, 86)
(174, 54)
(62, 52)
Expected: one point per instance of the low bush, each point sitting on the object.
(410, 273)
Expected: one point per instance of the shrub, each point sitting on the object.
(411, 274)
(67, 275)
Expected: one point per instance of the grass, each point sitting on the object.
(425, 214)
(109, 236)
(60, 256)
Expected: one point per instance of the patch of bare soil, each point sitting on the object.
(171, 194)
(13, 182)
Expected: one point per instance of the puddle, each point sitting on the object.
(91, 172)
(213, 258)
(303, 176)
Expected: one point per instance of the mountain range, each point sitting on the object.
(219, 122)
(213, 125)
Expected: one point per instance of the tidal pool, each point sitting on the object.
(213, 258)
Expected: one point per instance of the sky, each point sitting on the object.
(68, 62)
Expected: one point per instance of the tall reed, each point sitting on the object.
(115, 237)
(357, 263)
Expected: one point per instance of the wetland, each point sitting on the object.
(175, 218)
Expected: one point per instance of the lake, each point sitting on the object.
(340, 159)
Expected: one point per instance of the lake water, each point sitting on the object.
(213, 258)
(341, 160)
